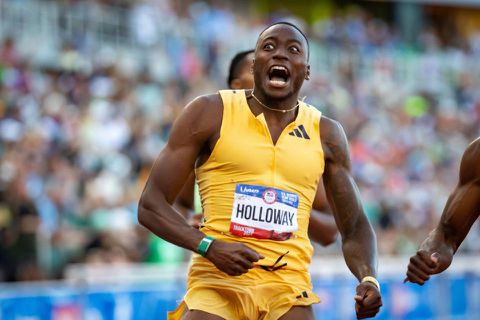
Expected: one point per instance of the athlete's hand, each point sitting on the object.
(232, 258)
(423, 264)
(367, 300)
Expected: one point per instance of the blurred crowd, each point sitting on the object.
(78, 137)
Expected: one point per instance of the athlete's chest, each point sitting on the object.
(248, 148)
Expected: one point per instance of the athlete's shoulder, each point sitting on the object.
(470, 167)
(202, 114)
(205, 107)
(474, 146)
(205, 102)
(334, 140)
(473, 151)
(330, 128)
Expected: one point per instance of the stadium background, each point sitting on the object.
(88, 93)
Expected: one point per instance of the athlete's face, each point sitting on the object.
(281, 63)
(244, 79)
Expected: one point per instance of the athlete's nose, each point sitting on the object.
(280, 53)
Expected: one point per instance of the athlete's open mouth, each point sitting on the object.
(278, 75)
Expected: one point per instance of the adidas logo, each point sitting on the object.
(300, 132)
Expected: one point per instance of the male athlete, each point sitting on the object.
(462, 209)
(258, 157)
(321, 227)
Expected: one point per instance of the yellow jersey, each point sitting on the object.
(259, 193)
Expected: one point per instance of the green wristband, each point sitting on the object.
(204, 245)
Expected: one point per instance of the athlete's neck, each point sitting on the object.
(285, 104)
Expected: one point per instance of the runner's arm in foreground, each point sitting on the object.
(193, 136)
(359, 243)
(462, 209)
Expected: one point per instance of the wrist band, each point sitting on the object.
(204, 245)
(371, 280)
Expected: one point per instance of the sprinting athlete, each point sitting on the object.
(259, 156)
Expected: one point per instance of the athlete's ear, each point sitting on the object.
(307, 76)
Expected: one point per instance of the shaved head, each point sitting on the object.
(290, 25)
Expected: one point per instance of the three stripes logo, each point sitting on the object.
(300, 132)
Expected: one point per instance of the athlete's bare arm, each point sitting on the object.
(358, 239)
(322, 227)
(462, 209)
(185, 199)
(193, 136)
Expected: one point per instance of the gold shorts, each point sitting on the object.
(258, 294)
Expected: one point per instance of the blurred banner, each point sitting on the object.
(121, 293)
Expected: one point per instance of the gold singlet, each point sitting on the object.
(259, 194)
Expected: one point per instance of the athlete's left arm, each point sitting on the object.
(359, 243)
(322, 227)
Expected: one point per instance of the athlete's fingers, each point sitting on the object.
(420, 272)
(366, 311)
(422, 264)
(251, 254)
(372, 299)
(365, 315)
(359, 299)
(360, 293)
(371, 305)
(425, 257)
(242, 261)
(369, 311)
(414, 278)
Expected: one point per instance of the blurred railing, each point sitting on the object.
(148, 292)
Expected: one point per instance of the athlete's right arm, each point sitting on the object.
(196, 130)
(462, 209)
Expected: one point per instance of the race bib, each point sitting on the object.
(264, 213)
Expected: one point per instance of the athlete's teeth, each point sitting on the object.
(278, 82)
(279, 68)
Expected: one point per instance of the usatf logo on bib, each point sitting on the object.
(269, 196)
(264, 212)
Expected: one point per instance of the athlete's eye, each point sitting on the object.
(268, 46)
(294, 49)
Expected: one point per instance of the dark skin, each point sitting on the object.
(196, 132)
(462, 209)
(321, 228)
